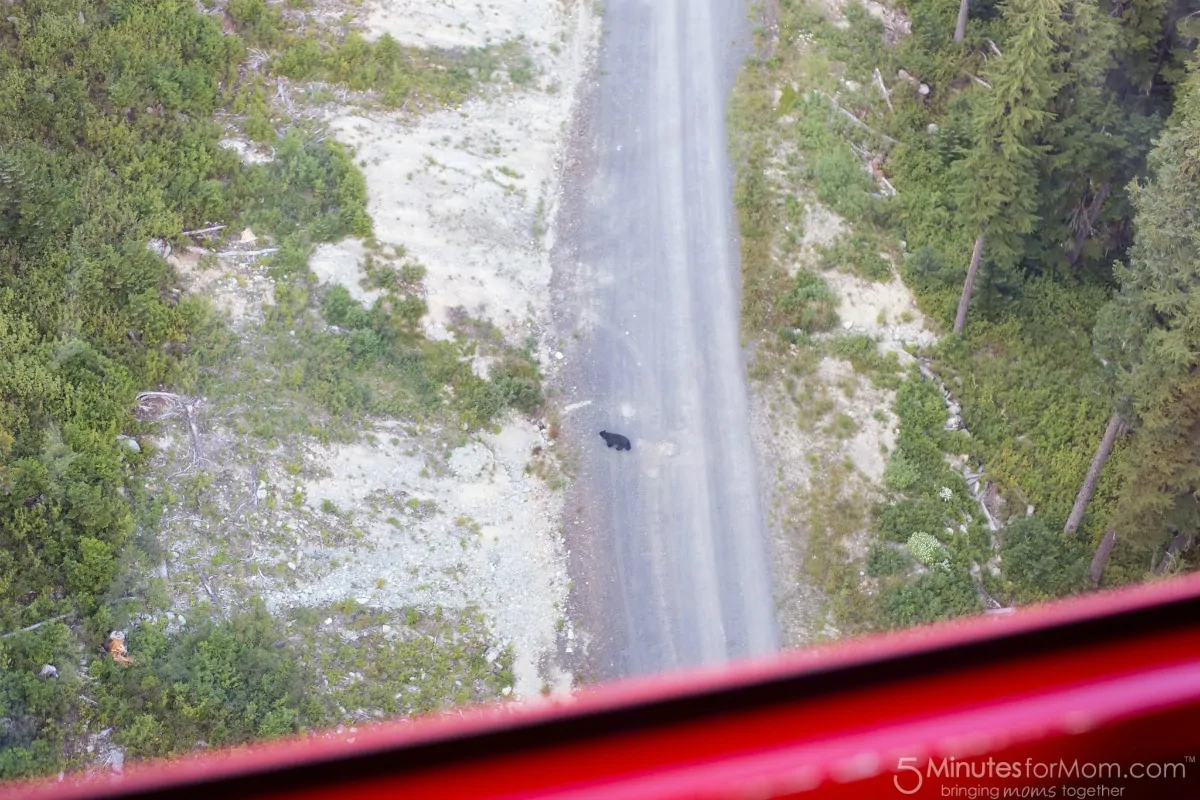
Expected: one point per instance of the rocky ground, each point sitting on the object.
(838, 415)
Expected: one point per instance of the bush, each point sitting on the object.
(884, 561)
(900, 474)
(811, 305)
(31, 736)
(937, 595)
(925, 268)
(226, 682)
(344, 311)
(1040, 564)
(517, 384)
(858, 254)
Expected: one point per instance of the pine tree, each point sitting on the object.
(1148, 41)
(1084, 142)
(1151, 335)
(1000, 172)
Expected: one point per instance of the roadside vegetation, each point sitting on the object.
(1027, 179)
(108, 143)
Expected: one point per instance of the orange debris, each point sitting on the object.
(116, 647)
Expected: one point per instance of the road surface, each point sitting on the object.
(668, 556)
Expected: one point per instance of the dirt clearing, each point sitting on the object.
(399, 517)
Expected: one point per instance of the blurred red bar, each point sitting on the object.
(1097, 696)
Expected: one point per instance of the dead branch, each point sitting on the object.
(188, 405)
(981, 81)
(191, 417)
(879, 82)
(36, 625)
(1179, 543)
(995, 49)
(992, 603)
(179, 398)
(858, 121)
(198, 231)
(980, 496)
(236, 253)
(208, 589)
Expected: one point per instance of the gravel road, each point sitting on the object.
(668, 555)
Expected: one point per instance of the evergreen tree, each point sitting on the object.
(1151, 335)
(1151, 50)
(1084, 142)
(999, 174)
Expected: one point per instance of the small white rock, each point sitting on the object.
(506, 691)
(329, 620)
(292, 565)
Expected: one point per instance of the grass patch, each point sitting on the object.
(862, 351)
(398, 76)
(835, 511)
(858, 254)
(424, 662)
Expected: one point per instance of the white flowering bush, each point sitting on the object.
(926, 548)
(946, 494)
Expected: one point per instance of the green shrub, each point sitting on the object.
(857, 254)
(1040, 564)
(225, 682)
(862, 351)
(937, 595)
(884, 561)
(811, 305)
(900, 474)
(343, 310)
(32, 736)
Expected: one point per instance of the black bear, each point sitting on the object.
(615, 440)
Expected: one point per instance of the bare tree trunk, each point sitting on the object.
(960, 321)
(1115, 427)
(960, 30)
(1102, 553)
(1179, 543)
